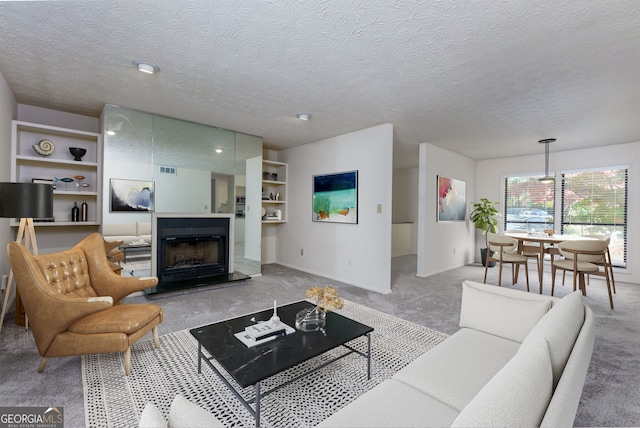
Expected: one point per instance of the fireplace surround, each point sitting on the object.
(189, 250)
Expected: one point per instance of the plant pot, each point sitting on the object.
(483, 257)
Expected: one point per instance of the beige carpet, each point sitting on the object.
(115, 400)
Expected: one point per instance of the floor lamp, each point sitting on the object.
(25, 201)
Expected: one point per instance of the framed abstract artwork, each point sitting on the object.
(335, 197)
(131, 195)
(452, 199)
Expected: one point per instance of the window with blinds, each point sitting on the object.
(594, 202)
(529, 204)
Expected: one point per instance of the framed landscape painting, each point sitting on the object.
(335, 197)
(452, 199)
(131, 195)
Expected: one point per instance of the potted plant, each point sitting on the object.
(485, 217)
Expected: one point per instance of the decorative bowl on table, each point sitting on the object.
(549, 232)
(77, 153)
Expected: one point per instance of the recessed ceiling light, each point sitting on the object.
(303, 116)
(218, 150)
(110, 132)
(145, 67)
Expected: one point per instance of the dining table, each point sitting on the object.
(545, 242)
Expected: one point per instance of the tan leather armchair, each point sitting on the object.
(72, 296)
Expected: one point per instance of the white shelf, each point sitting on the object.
(27, 165)
(275, 187)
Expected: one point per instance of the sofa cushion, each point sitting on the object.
(118, 229)
(518, 395)
(454, 371)
(392, 404)
(184, 413)
(509, 315)
(152, 417)
(120, 318)
(143, 229)
(560, 328)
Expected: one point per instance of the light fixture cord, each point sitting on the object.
(546, 159)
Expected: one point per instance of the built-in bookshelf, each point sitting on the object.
(274, 192)
(73, 181)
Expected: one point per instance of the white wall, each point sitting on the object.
(45, 116)
(405, 212)
(8, 111)
(443, 245)
(329, 248)
(491, 174)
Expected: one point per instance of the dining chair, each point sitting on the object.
(608, 262)
(502, 249)
(581, 258)
(530, 250)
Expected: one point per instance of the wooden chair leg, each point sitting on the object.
(127, 361)
(43, 364)
(526, 273)
(156, 339)
(486, 267)
(609, 290)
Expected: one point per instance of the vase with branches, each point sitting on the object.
(313, 319)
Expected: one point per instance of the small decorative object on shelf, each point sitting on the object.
(75, 212)
(65, 180)
(274, 176)
(314, 319)
(549, 232)
(265, 175)
(77, 153)
(84, 211)
(44, 147)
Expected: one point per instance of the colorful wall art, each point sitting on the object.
(131, 195)
(452, 199)
(335, 197)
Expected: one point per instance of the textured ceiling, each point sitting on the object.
(482, 78)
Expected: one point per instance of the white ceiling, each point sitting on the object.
(482, 78)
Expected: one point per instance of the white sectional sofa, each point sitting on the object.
(519, 359)
(127, 232)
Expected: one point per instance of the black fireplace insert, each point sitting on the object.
(191, 248)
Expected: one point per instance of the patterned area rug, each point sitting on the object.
(115, 400)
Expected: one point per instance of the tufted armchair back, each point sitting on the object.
(67, 273)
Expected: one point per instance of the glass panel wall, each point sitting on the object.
(195, 169)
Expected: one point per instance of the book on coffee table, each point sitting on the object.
(263, 332)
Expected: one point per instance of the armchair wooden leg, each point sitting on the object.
(127, 361)
(43, 364)
(156, 339)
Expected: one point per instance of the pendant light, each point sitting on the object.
(547, 178)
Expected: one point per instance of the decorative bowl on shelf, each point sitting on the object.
(77, 153)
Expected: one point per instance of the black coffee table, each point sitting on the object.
(249, 366)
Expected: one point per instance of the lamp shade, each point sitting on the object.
(26, 200)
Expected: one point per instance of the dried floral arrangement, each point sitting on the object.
(325, 298)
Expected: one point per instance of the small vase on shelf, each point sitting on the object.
(75, 212)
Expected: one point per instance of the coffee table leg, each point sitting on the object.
(368, 356)
(258, 404)
(199, 358)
